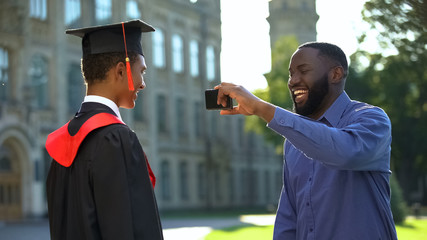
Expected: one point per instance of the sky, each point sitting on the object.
(246, 53)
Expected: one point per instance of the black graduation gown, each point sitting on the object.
(106, 193)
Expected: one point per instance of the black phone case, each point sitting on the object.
(211, 96)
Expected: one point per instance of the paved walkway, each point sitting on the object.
(189, 229)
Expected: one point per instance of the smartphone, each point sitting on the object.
(211, 97)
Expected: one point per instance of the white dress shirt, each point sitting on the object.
(105, 101)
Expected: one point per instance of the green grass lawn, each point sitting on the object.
(412, 229)
(242, 232)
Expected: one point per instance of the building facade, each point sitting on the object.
(201, 160)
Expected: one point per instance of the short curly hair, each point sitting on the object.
(95, 66)
(331, 51)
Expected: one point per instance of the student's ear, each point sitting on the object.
(336, 74)
(120, 71)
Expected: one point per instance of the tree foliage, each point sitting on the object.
(277, 91)
(398, 83)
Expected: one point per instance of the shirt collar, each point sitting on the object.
(105, 101)
(336, 110)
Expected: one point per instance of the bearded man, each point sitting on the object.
(336, 173)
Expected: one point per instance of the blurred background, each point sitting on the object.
(205, 162)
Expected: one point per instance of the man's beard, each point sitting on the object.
(316, 94)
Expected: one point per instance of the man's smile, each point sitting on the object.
(300, 95)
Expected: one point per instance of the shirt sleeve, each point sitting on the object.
(361, 144)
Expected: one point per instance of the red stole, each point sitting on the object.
(63, 147)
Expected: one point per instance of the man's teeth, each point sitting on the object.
(298, 92)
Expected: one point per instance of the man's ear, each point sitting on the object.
(120, 71)
(336, 74)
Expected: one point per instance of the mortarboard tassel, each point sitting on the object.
(128, 70)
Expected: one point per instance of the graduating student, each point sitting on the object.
(100, 185)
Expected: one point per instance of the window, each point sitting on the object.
(198, 119)
(214, 125)
(161, 114)
(254, 179)
(183, 178)
(165, 183)
(217, 186)
(72, 12)
(76, 88)
(180, 117)
(46, 162)
(4, 73)
(132, 9)
(5, 159)
(38, 9)
(243, 179)
(267, 186)
(194, 58)
(139, 108)
(210, 63)
(231, 183)
(240, 129)
(38, 81)
(201, 181)
(103, 11)
(177, 54)
(159, 56)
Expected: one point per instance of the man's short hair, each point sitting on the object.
(95, 67)
(331, 51)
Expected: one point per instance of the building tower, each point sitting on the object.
(293, 17)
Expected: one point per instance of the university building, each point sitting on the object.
(201, 159)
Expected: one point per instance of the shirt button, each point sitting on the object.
(311, 229)
(308, 204)
(309, 179)
(282, 121)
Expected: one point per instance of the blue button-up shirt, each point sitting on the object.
(336, 174)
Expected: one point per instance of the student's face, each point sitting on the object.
(138, 70)
(308, 82)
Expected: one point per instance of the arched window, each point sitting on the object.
(38, 77)
(132, 10)
(103, 11)
(194, 58)
(159, 56)
(72, 12)
(38, 9)
(210, 63)
(5, 160)
(4, 73)
(177, 54)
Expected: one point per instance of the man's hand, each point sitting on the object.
(248, 104)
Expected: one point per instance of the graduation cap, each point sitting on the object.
(118, 37)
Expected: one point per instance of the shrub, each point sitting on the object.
(398, 204)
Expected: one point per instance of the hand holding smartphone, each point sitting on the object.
(211, 97)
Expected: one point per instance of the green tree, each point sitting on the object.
(398, 83)
(277, 91)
